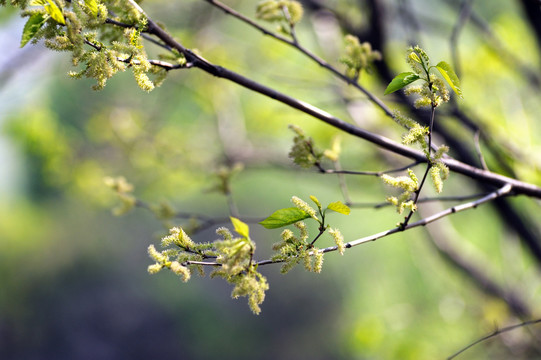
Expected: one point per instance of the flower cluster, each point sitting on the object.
(281, 11)
(304, 206)
(358, 57)
(438, 170)
(409, 184)
(303, 152)
(234, 254)
(338, 240)
(124, 191)
(294, 249)
(416, 133)
(432, 91)
(103, 51)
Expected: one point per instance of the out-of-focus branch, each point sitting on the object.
(493, 334)
(477, 270)
(463, 15)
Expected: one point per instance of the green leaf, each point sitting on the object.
(400, 81)
(449, 75)
(93, 6)
(241, 228)
(284, 217)
(32, 26)
(55, 12)
(339, 207)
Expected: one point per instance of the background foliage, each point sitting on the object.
(74, 280)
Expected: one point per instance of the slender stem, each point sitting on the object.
(403, 225)
(431, 127)
(291, 24)
(493, 334)
(294, 43)
(421, 200)
(503, 191)
(321, 231)
(205, 263)
(428, 166)
(478, 149)
(342, 181)
(372, 173)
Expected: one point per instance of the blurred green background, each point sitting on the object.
(73, 279)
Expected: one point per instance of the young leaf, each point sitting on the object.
(32, 26)
(400, 81)
(93, 6)
(449, 76)
(339, 207)
(284, 217)
(55, 12)
(316, 201)
(241, 228)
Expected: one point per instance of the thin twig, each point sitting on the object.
(204, 221)
(306, 52)
(291, 24)
(504, 190)
(493, 334)
(321, 232)
(421, 200)
(163, 64)
(342, 181)
(204, 263)
(370, 173)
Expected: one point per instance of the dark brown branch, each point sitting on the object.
(484, 176)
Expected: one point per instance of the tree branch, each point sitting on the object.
(197, 61)
(504, 190)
